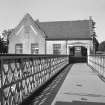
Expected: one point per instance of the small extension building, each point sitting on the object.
(58, 37)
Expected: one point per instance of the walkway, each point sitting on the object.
(81, 85)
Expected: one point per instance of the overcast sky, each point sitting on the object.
(12, 11)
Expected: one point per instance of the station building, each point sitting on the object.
(57, 37)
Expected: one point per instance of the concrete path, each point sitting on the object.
(81, 84)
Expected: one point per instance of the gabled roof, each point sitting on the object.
(66, 30)
(58, 30)
(27, 20)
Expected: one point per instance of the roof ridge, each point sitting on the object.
(63, 21)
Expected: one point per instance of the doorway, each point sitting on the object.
(78, 51)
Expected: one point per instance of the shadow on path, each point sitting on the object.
(46, 93)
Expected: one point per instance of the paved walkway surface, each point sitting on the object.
(81, 85)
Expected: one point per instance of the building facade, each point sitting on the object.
(59, 37)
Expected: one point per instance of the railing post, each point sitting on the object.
(22, 73)
(1, 81)
(50, 67)
(97, 63)
(104, 65)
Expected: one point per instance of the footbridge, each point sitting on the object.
(52, 80)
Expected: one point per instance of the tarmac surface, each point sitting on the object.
(81, 86)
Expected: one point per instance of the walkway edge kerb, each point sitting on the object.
(67, 68)
(99, 75)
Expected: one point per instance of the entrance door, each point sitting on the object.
(77, 54)
(75, 51)
(78, 51)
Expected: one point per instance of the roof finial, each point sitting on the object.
(27, 14)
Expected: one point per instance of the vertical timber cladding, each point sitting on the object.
(23, 74)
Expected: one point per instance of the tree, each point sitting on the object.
(93, 36)
(101, 46)
(96, 43)
(5, 40)
(7, 33)
(3, 46)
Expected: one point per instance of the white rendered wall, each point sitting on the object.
(26, 39)
(49, 46)
(65, 45)
(86, 43)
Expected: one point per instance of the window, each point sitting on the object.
(34, 48)
(56, 48)
(18, 48)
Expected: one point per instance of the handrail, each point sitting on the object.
(97, 62)
(20, 75)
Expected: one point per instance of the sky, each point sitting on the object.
(12, 12)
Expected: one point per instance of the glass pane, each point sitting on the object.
(34, 48)
(18, 48)
(56, 48)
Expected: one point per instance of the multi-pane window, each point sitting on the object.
(56, 49)
(34, 48)
(18, 48)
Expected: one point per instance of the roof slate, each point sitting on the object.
(66, 30)
(59, 30)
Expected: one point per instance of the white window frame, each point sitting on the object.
(34, 48)
(19, 48)
(56, 49)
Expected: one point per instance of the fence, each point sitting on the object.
(20, 75)
(98, 63)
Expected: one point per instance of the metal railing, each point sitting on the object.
(20, 75)
(97, 62)
(77, 59)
